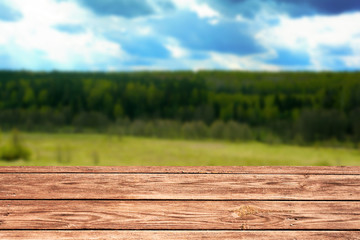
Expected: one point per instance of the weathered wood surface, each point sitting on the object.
(167, 215)
(176, 235)
(178, 186)
(179, 203)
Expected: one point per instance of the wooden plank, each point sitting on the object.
(177, 186)
(176, 235)
(188, 170)
(179, 215)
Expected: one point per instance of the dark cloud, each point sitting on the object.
(8, 14)
(124, 8)
(69, 28)
(197, 34)
(326, 6)
(288, 58)
(249, 8)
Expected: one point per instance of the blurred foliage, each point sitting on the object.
(14, 149)
(298, 107)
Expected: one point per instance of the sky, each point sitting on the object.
(132, 35)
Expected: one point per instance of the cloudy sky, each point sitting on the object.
(117, 35)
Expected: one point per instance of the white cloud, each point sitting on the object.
(204, 11)
(214, 21)
(240, 18)
(234, 62)
(215, 61)
(201, 9)
(34, 38)
(309, 34)
(184, 4)
(49, 12)
(312, 31)
(176, 51)
(33, 41)
(144, 30)
(352, 61)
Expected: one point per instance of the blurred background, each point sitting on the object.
(179, 82)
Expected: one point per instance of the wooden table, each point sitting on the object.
(180, 203)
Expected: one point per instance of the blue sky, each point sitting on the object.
(130, 35)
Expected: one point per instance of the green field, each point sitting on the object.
(96, 149)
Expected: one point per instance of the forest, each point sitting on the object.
(288, 107)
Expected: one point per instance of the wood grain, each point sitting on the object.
(177, 186)
(179, 203)
(342, 170)
(179, 215)
(176, 235)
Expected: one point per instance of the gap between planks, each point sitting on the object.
(175, 235)
(188, 170)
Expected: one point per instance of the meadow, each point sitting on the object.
(112, 150)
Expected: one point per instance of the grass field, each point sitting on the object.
(95, 149)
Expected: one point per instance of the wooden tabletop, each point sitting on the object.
(179, 203)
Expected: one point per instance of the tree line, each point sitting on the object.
(289, 106)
